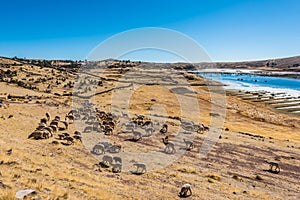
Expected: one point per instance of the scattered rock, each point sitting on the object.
(21, 194)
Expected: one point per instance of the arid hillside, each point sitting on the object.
(125, 110)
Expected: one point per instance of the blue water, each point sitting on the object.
(246, 80)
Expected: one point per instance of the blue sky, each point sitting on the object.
(229, 30)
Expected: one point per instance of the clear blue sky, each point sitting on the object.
(229, 30)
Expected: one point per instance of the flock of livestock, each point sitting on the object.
(94, 120)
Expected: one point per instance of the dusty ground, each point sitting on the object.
(234, 169)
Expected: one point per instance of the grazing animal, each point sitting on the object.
(54, 123)
(115, 148)
(78, 137)
(164, 129)
(37, 135)
(170, 146)
(69, 118)
(107, 160)
(41, 127)
(43, 121)
(136, 135)
(147, 123)
(69, 139)
(98, 149)
(72, 112)
(88, 129)
(185, 189)
(91, 119)
(130, 125)
(139, 166)
(116, 168)
(77, 133)
(274, 166)
(53, 127)
(57, 118)
(149, 131)
(118, 160)
(50, 129)
(66, 124)
(188, 127)
(108, 130)
(125, 115)
(77, 117)
(63, 135)
(48, 116)
(206, 128)
(189, 144)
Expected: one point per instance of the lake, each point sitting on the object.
(254, 82)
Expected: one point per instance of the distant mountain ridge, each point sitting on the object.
(289, 64)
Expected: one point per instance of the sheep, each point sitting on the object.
(76, 116)
(125, 115)
(141, 166)
(147, 123)
(107, 160)
(54, 123)
(50, 129)
(206, 128)
(88, 129)
(69, 139)
(273, 164)
(149, 131)
(77, 133)
(108, 130)
(188, 127)
(78, 137)
(66, 124)
(43, 121)
(96, 126)
(54, 128)
(111, 124)
(48, 116)
(39, 134)
(189, 144)
(118, 160)
(36, 135)
(57, 118)
(117, 167)
(86, 116)
(46, 134)
(136, 135)
(115, 148)
(69, 118)
(130, 125)
(184, 190)
(164, 129)
(63, 135)
(169, 146)
(91, 119)
(41, 127)
(98, 149)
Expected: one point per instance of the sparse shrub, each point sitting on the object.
(214, 177)
(235, 177)
(259, 178)
(210, 180)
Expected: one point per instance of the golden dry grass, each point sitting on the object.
(67, 172)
